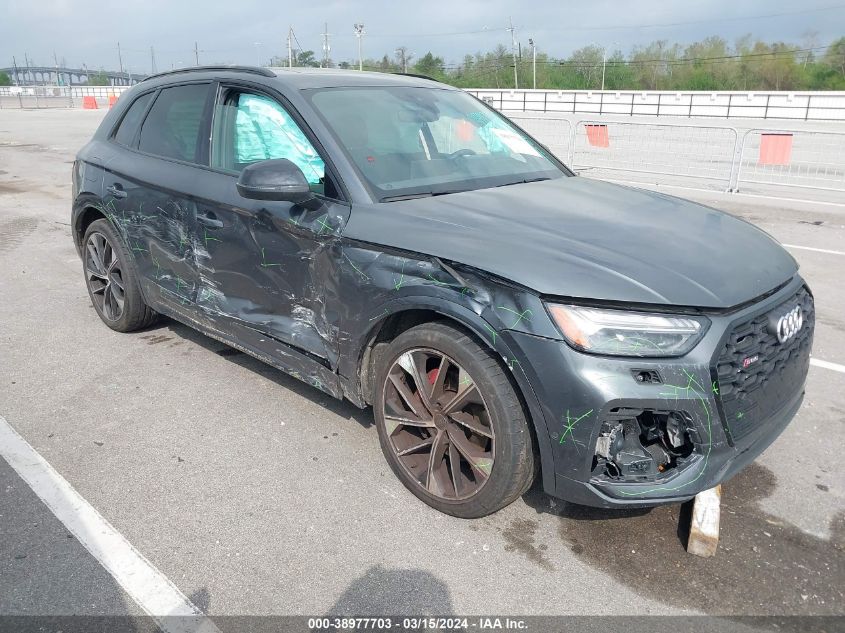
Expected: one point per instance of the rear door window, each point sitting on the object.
(172, 128)
(125, 133)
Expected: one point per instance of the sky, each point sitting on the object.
(251, 31)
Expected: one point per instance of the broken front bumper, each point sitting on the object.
(627, 432)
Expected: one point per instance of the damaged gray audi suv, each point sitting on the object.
(396, 242)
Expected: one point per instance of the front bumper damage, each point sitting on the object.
(628, 432)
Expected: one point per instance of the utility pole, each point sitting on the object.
(533, 60)
(326, 48)
(603, 64)
(290, 47)
(152, 61)
(359, 33)
(119, 58)
(196, 54)
(404, 57)
(513, 52)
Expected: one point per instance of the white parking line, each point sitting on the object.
(827, 365)
(817, 250)
(145, 584)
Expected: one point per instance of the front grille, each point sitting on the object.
(756, 374)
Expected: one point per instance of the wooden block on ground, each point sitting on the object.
(704, 530)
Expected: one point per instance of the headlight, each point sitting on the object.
(623, 333)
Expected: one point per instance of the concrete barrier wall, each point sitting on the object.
(805, 106)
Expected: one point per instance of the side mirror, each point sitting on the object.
(274, 179)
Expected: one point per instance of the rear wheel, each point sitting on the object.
(450, 424)
(112, 280)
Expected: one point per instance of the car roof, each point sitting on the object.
(297, 78)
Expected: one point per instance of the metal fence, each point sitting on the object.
(803, 106)
(786, 158)
(709, 156)
(56, 96)
(713, 157)
(679, 151)
(556, 134)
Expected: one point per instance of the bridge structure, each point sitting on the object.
(57, 76)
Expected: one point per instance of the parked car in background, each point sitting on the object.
(396, 242)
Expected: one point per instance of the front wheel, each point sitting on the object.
(450, 423)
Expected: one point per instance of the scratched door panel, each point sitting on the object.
(157, 222)
(269, 267)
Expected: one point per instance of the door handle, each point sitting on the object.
(210, 220)
(116, 190)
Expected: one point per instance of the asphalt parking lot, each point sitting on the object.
(257, 494)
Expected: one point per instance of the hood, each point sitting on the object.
(577, 237)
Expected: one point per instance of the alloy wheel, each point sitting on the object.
(104, 276)
(438, 424)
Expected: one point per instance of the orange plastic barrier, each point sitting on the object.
(112, 100)
(597, 135)
(89, 103)
(775, 149)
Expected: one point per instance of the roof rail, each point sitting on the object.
(255, 70)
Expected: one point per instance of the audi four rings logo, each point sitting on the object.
(789, 324)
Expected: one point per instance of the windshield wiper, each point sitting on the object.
(429, 194)
(522, 182)
(422, 194)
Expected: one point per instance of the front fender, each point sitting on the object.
(495, 339)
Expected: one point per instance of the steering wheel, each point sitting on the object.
(461, 153)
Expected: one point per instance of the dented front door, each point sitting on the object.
(268, 267)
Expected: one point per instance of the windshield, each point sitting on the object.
(412, 142)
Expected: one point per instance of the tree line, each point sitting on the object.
(709, 64)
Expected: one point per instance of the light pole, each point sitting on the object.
(359, 33)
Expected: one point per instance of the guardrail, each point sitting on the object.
(718, 157)
(804, 106)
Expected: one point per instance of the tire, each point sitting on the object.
(488, 440)
(104, 270)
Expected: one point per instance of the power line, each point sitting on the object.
(674, 62)
(705, 21)
(581, 27)
(326, 47)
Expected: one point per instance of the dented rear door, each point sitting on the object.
(154, 189)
